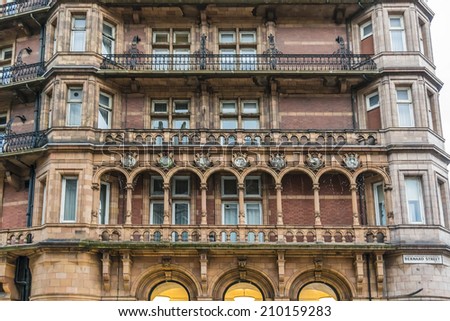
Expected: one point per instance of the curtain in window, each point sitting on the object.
(182, 213)
(70, 200)
(158, 213)
(405, 115)
(103, 205)
(397, 40)
(413, 194)
(253, 214)
(230, 216)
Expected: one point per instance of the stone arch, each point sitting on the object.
(223, 281)
(214, 170)
(267, 170)
(302, 170)
(157, 274)
(386, 178)
(137, 171)
(171, 173)
(329, 170)
(343, 288)
(101, 171)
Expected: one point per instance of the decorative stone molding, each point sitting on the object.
(202, 161)
(359, 271)
(240, 161)
(351, 161)
(126, 263)
(106, 271)
(129, 161)
(204, 270)
(165, 161)
(379, 271)
(318, 266)
(277, 161)
(314, 161)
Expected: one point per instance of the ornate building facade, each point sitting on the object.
(209, 150)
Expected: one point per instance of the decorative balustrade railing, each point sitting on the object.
(224, 234)
(238, 137)
(16, 7)
(21, 142)
(244, 62)
(24, 72)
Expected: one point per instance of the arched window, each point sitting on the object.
(169, 291)
(317, 291)
(243, 291)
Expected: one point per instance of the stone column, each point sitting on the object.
(95, 203)
(166, 203)
(316, 189)
(241, 188)
(388, 204)
(279, 189)
(353, 189)
(129, 209)
(203, 188)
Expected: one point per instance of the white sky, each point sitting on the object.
(440, 29)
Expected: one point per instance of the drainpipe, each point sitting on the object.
(369, 286)
(22, 277)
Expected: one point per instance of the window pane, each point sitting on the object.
(74, 114)
(79, 23)
(159, 123)
(105, 100)
(230, 214)
(248, 37)
(367, 30)
(181, 37)
(397, 40)
(250, 107)
(181, 106)
(70, 199)
(157, 213)
(403, 94)
(228, 107)
(405, 115)
(229, 186)
(103, 203)
(158, 186)
(103, 118)
(380, 208)
(181, 213)
(228, 59)
(253, 214)
(228, 124)
(250, 123)
(227, 37)
(374, 101)
(178, 123)
(181, 186)
(78, 41)
(161, 37)
(252, 186)
(414, 198)
(396, 22)
(108, 30)
(160, 107)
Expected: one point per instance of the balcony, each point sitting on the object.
(13, 143)
(204, 64)
(18, 7)
(23, 73)
(257, 138)
(221, 235)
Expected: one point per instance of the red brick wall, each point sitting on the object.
(335, 200)
(367, 46)
(133, 111)
(326, 112)
(136, 217)
(26, 110)
(374, 119)
(309, 38)
(298, 201)
(14, 208)
(33, 43)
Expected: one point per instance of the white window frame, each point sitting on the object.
(160, 102)
(181, 32)
(376, 202)
(44, 203)
(224, 32)
(420, 200)
(159, 33)
(152, 186)
(70, 102)
(111, 38)
(161, 58)
(183, 111)
(180, 121)
(3, 125)
(155, 122)
(244, 112)
(401, 28)
(223, 212)
(107, 109)
(252, 32)
(369, 107)
(3, 52)
(107, 202)
(222, 186)
(228, 102)
(188, 211)
(404, 102)
(258, 178)
(363, 27)
(75, 30)
(260, 212)
(63, 199)
(152, 211)
(181, 178)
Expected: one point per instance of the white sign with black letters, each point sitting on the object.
(422, 259)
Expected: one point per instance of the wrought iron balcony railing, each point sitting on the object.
(246, 62)
(20, 73)
(17, 7)
(12, 143)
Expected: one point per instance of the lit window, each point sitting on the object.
(104, 111)
(414, 197)
(75, 97)
(78, 34)
(69, 199)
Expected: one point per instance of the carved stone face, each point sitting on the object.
(314, 161)
(351, 161)
(202, 161)
(278, 162)
(129, 161)
(165, 161)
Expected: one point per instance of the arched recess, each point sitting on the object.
(97, 176)
(372, 197)
(177, 170)
(223, 281)
(139, 170)
(386, 178)
(298, 198)
(305, 171)
(249, 171)
(243, 291)
(327, 170)
(158, 274)
(214, 170)
(338, 282)
(169, 291)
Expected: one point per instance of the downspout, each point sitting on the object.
(369, 286)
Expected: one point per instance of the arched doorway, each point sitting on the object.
(243, 291)
(317, 291)
(169, 291)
